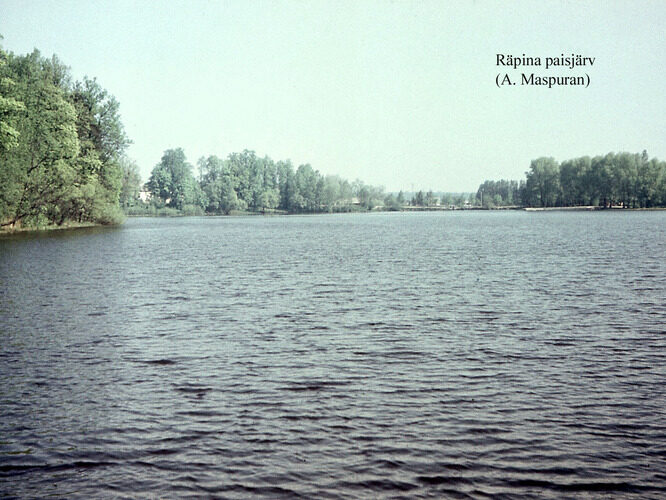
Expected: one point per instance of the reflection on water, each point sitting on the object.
(390, 355)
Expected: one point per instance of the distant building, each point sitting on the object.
(144, 194)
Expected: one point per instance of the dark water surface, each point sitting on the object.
(438, 355)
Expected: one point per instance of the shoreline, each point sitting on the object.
(591, 208)
(588, 208)
(7, 231)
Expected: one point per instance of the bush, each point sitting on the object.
(108, 215)
(192, 210)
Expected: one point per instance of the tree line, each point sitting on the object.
(631, 180)
(62, 159)
(62, 146)
(246, 182)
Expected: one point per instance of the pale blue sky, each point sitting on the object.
(396, 93)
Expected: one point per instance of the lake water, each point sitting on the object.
(405, 355)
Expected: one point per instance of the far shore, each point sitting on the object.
(8, 230)
(561, 209)
(590, 207)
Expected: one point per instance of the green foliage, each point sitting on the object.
(60, 143)
(493, 194)
(130, 186)
(368, 197)
(243, 181)
(98, 120)
(622, 179)
(391, 203)
(172, 181)
(542, 187)
(108, 214)
(10, 108)
(191, 210)
(418, 200)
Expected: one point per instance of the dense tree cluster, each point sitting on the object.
(244, 181)
(500, 193)
(61, 145)
(622, 179)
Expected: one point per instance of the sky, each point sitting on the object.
(401, 94)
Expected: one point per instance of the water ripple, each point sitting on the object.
(459, 355)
